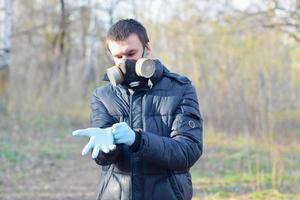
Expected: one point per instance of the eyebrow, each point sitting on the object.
(127, 52)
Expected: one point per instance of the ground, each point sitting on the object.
(73, 178)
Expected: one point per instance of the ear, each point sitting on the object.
(148, 50)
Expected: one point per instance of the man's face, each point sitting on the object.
(130, 48)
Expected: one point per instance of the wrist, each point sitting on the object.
(136, 144)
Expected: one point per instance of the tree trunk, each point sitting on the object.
(5, 44)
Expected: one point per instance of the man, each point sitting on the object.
(147, 128)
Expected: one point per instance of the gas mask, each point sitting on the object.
(131, 73)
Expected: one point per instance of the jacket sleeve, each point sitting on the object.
(184, 146)
(102, 119)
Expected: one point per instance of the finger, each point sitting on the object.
(119, 131)
(118, 141)
(117, 136)
(122, 141)
(76, 132)
(81, 132)
(112, 147)
(105, 149)
(95, 152)
(114, 128)
(117, 125)
(88, 147)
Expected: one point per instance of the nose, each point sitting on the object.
(124, 58)
(121, 60)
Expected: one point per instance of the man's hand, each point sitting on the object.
(123, 134)
(100, 139)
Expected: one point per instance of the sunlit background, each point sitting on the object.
(242, 56)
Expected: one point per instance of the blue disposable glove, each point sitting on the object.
(100, 139)
(123, 134)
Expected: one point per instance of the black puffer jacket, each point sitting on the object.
(167, 112)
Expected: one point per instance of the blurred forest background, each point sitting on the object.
(243, 57)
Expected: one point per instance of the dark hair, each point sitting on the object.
(125, 27)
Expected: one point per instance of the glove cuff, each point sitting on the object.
(136, 144)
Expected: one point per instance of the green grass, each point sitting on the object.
(238, 167)
(47, 144)
(269, 194)
(10, 151)
(51, 151)
(11, 155)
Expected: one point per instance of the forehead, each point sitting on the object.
(132, 42)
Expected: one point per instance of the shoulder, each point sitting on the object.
(166, 76)
(173, 82)
(178, 78)
(103, 91)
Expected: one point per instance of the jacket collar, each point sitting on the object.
(105, 77)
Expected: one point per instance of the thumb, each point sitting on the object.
(81, 132)
(118, 125)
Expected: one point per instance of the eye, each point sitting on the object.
(118, 57)
(132, 53)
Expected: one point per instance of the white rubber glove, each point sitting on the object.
(100, 139)
(122, 133)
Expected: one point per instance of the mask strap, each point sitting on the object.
(144, 52)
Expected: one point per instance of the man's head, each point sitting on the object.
(127, 39)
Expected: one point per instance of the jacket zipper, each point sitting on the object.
(130, 124)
